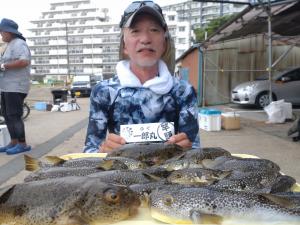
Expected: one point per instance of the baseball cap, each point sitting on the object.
(139, 7)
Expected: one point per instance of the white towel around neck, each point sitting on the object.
(161, 84)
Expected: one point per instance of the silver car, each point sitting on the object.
(285, 86)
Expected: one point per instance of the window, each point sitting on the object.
(181, 29)
(171, 18)
(181, 40)
(75, 40)
(293, 75)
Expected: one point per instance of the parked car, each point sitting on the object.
(285, 86)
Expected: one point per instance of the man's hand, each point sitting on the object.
(112, 141)
(180, 139)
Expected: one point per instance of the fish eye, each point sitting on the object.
(243, 186)
(112, 196)
(178, 175)
(168, 200)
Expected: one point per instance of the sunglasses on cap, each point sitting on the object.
(134, 6)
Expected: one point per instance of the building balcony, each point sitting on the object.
(58, 52)
(92, 61)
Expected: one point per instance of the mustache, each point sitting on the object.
(145, 48)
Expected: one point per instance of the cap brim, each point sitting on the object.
(148, 10)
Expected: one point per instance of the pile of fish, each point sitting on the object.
(207, 185)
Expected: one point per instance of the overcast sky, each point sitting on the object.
(23, 11)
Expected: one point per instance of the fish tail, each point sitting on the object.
(31, 164)
(55, 160)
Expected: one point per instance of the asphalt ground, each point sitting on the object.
(58, 133)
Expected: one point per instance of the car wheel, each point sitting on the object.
(263, 99)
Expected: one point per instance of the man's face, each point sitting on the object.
(6, 36)
(144, 42)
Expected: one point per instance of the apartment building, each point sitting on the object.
(198, 14)
(76, 37)
(73, 38)
(183, 17)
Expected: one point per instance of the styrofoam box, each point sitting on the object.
(4, 136)
(210, 120)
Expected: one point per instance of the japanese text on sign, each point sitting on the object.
(147, 132)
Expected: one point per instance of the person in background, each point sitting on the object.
(14, 84)
(144, 89)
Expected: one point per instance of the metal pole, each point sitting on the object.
(68, 55)
(189, 21)
(200, 76)
(203, 77)
(270, 50)
(92, 37)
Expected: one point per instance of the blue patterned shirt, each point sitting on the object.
(137, 105)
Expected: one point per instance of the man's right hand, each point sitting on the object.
(112, 142)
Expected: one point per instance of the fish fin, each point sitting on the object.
(6, 192)
(31, 164)
(106, 164)
(145, 199)
(280, 200)
(225, 174)
(169, 168)
(204, 218)
(208, 163)
(71, 216)
(55, 160)
(71, 220)
(222, 174)
(178, 157)
(151, 177)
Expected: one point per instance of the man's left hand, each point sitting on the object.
(180, 139)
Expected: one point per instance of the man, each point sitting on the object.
(14, 84)
(143, 91)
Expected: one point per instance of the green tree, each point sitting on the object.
(211, 27)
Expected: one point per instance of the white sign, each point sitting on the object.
(147, 132)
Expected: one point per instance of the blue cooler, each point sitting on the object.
(210, 119)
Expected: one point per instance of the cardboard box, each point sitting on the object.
(230, 121)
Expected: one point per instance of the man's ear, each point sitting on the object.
(124, 48)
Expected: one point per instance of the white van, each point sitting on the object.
(82, 85)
